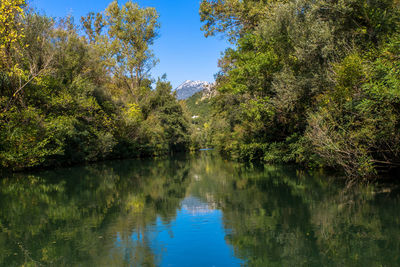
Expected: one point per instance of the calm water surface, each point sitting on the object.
(197, 211)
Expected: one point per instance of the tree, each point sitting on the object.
(10, 33)
(291, 91)
(164, 118)
(130, 31)
(232, 17)
(93, 24)
(26, 50)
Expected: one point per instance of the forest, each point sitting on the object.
(315, 83)
(72, 94)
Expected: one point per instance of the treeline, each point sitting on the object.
(309, 82)
(73, 93)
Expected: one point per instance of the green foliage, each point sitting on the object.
(357, 126)
(26, 140)
(231, 16)
(311, 82)
(199, 108)
(58, 98)
(11, 11)
(165, 117)
(254, 65)
(125, 43)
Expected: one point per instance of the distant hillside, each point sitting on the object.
(189, 88)
(199, 107)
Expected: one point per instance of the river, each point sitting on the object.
(194, 211)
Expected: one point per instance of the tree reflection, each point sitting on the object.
(107, 215)
(277, 216)
(88, 215)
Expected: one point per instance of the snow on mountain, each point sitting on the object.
(189, 88)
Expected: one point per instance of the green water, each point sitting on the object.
(194, 211)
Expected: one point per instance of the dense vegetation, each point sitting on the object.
(310, 82)
(199, 107)
(68, 97)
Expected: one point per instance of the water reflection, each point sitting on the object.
(200, 211)
(87, 216)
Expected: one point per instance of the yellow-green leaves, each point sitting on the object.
(132, 114)
(10, 26)
(231, 17)
(125, 44)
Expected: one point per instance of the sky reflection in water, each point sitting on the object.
(197, 211)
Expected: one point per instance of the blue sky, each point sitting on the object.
(183, 51)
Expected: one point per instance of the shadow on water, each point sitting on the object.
(201, 210)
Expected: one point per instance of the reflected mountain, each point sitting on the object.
(195, 206)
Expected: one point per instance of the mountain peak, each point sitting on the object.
(189, 88)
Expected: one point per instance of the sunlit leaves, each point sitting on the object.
(312, 59)
(10, 25)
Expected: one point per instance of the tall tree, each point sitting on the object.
(10, 33)
(130, 31)
(295, 64)
(231, 17)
